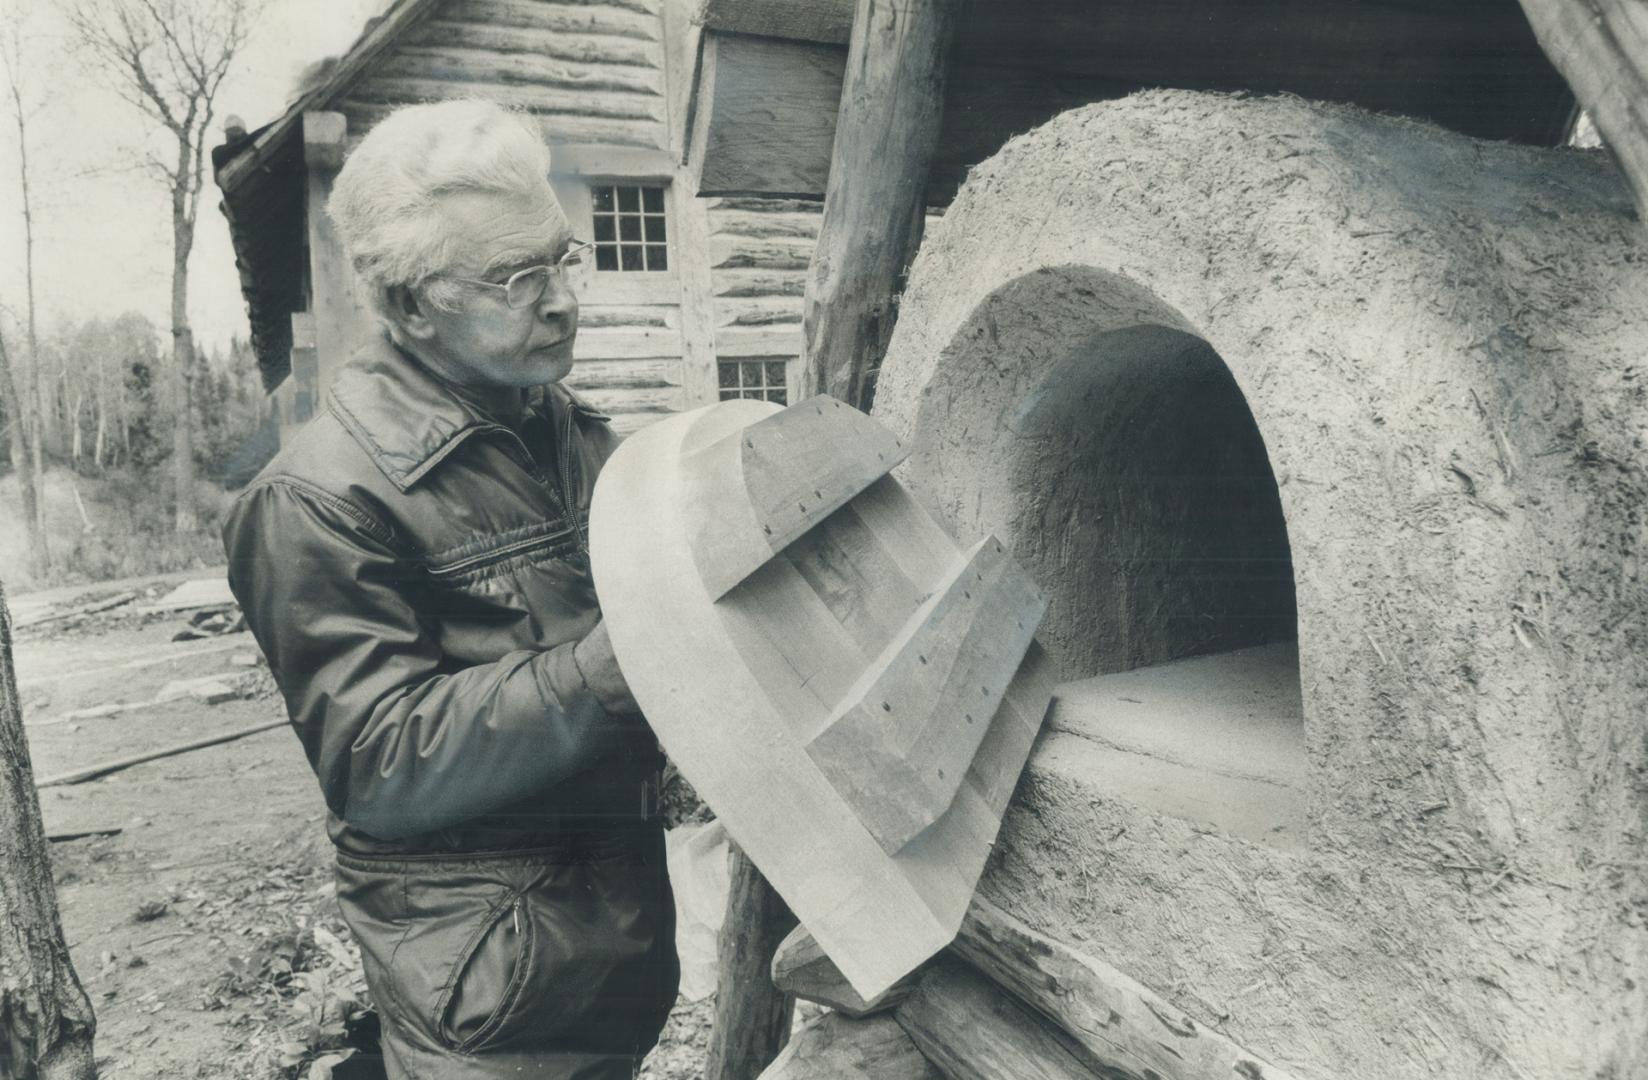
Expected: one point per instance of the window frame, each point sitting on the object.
(764, 388)
(576, 192)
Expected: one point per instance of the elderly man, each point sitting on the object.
(414, 566)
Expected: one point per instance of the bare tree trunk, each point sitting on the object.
(183, 347)
(24, 456)
(46, 384)
(100, 440)
(74, 419)
(45, 1015)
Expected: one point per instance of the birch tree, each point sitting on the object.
(168, 59)
(17, 374)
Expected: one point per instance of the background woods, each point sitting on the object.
(106, 428)
(95, 461)
(167, 59)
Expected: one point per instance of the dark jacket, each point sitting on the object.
(416, 573)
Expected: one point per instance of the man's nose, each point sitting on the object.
(558, 302)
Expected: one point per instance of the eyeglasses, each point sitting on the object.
(526, 287)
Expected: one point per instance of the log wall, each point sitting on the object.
(758, 253)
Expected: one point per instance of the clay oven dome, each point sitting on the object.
(1230, 374)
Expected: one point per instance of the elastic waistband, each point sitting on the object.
(561, 851)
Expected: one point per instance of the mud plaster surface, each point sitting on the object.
(1442, 343)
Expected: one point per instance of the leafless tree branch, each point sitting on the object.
(168, 59)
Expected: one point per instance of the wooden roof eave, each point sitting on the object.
(381, 34)
(261, 178)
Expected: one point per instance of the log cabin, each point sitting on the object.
(692, 300)
(1311, 422)
(696, 136)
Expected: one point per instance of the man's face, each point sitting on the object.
(485, 342)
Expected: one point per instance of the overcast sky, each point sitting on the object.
(103, 234)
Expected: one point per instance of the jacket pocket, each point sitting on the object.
(485, 982)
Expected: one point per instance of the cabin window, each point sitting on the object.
(629, 228)
(762, 380)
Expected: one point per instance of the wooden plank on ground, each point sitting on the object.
(190, 595)
(92, 772)
(837, 1048)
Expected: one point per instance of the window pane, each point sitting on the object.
(606, 258)
(604, 229)
(775, 373)
(729, 374)
(653, 200)
(629, 228)
(630, 257)
(655, 230)
(603, 200)
(629, 199)
(776, 395)
(657, 257)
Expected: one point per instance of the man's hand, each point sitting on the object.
(599, 668)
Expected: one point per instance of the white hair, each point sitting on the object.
(383, 199)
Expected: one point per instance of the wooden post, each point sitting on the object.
(690, 221)
(752, 1016)
(339, 315)
(892, 98)
(1601, 48)
(46, 1021)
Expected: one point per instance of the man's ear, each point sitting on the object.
(409, 312)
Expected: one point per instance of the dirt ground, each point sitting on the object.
(205, 930)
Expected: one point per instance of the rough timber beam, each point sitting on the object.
(892, 99)
(836, 1048)
(1601, 48)
(1107, 1023)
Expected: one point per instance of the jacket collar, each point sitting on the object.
(408, 420)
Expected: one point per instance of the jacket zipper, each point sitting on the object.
(500, 554)
(512, 988)
(569, 503)
(531, 462)
(568, 507)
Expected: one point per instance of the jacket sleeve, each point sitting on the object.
(401, 740)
